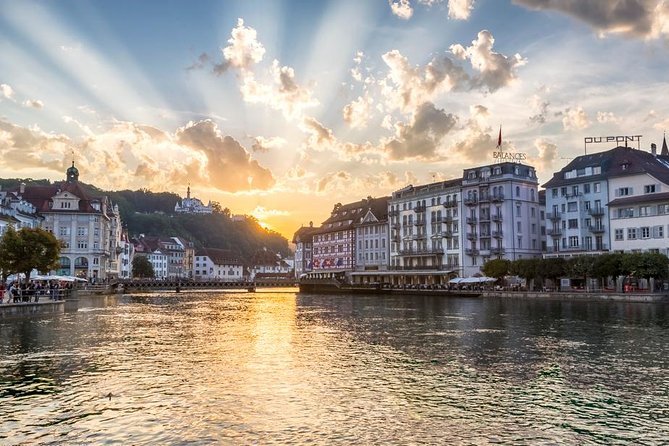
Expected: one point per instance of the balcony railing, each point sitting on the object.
(596, 229)
(471, 236)
(423, 267)
(554, 215)
(471, 252)
(393, 213)
(554, 232)
(471, 220)
(497, 198)
(596, 211)
(498, 234)
(420, 222)
(445, 219)
(451, 204)
(496, 217)
(484, 198)
(420, 236)
(484, 217)
(419, 208)
(471, 201)
(497, 251)
(421, 252)
(485, 234)
(573, 249)
(395, 226)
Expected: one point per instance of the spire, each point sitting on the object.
(665, 149)
(188, 192)
(72, 174)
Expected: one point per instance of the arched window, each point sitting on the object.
(517, 191)
(65, 268)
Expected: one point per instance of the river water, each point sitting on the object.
(283, 368)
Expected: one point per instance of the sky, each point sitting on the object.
(280, 109)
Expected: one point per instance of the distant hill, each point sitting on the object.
(152, 214)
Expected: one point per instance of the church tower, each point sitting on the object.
(72, 174)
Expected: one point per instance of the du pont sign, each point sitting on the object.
(613, 139)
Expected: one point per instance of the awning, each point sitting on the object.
(470, 280)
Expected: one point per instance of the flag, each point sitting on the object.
(499, 138)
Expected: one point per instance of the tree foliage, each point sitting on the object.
(497, 268)
(28, 249)
(142, 268)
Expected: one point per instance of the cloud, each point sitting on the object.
(243, 50)
(261, 212)
(407, 87)
(275, 87)
(358, 112)
(496, 70)
(202, 60)
(548, 153)
(575, 119)
(33, 103)
(423, 135)
(604, 117)
(460, 9)
(333, 180)
(401, 8)
(262, 144)
(540, 106)
(319, 134)
(647, 19)
(197, 153)
(475, 140)
(7, 91)
(229, 166)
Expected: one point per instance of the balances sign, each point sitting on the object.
(509, 156)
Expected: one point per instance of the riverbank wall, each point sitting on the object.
(29, 309)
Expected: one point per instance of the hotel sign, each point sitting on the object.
(509, 156)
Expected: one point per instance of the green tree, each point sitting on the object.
(607, 265)
(581, 267)
(497, 268)
(652, 265)
(553, 268)
(29, 249)
(142, 268)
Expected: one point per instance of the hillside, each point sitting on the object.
(151, 213)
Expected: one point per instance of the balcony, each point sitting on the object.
(471, 201)
(423, 268)
(471, 220)
(471, 236)
(471, 252)
(420, 222)
(445, 219)
(485, 217)
(596, 211)
(497, 198)
(554, 216)
(422, 236)
(498, 234)
(497, 251)
(554, 232)
(597, 229)
(484, 198)
(497, 217)
(447, 234)
(395, 226)
(395, 238)
(485, 234)
(393, 213)
(451, 204)
(422, 252)
(419, 208)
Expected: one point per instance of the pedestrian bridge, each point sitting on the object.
(179, 285)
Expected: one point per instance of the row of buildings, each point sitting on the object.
(95, 246)
(612, 201)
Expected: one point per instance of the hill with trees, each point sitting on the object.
(152, 214)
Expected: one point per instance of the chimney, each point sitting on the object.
(653, 149)
(22, 188)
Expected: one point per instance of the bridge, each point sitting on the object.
(180, 285)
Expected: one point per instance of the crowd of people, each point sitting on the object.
(17, 292)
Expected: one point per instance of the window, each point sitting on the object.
(518, 214)
(596, 187)
(631, 233)
(658, 231)
(63, 231)
(82, 245)
(572, 206)
(586, 188)
(626, 213)
(517, 191)
(644, 211)
(81, 231)
(573, 223)
(573, 242)
(645, 232)
(624, 191)
(563, 191)
(649, 189)
(574, 190)
(619, 234)
(555, 192)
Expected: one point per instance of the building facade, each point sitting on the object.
(425, 227)
(303, 240)
(373, 238)
(87, 226)
(502, 214)
(217, 264)
(192, 205)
